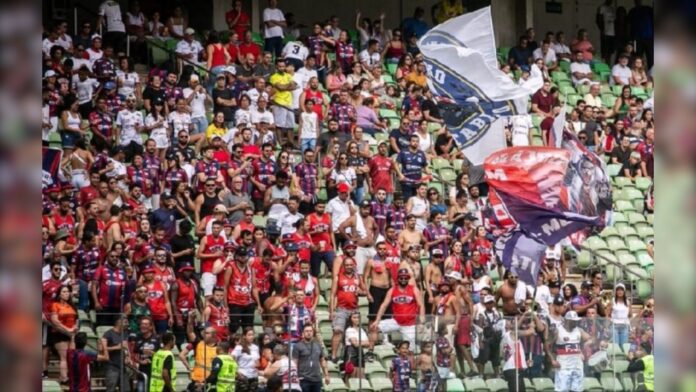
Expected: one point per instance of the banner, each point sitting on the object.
(50, 166)
(538, 196)
(462, 67)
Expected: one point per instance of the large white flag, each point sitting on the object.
(462, 67)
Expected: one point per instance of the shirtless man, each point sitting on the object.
(433, 278)
(462, 343)
(409, 235)
(112, 232)
(412, 263)
(377, 278)
(507, 293)
(446, 306)
(349, 248)
(363, 231)
(273, 317)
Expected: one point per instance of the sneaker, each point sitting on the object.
(44, 375)
(334, 360)
(472, 374)
(370, 356)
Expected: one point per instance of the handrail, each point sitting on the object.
(154, 42)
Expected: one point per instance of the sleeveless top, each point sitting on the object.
(568, 353)
(209, 204)
(74, 122)
(218, 56)
(420, 206)
(619, 313)
(137, 311)
(393, 52)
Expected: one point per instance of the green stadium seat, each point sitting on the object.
(621, 182)
(630, 194)
(636, 245)
(50, 386)
(439, 163)
(567, 90)
(529, 386)
(627, 232)
(613, 169)
(609, 231)
(608, 100)
(336, 385)
(634, 218)
(455, 385)
(259, 220)
(475, 384)
(638, 90)
(646, 232)
(624, 206)
(448, 175)
(611, 383)
(620, 365)
(496, 385)
(645, 260)
(362, 384)
(595, 243)
(573, 99)
(627, 259)
(617, 245)
(605, 88)
(583, 89)
(615, 352)
(382, 384)
(616, 89)
(643, 183)
(391, 68)
(375, 370)
(591, 384)
(558, 76)
(543, 384)
(388, 113)
(627, 381)
(584, 259)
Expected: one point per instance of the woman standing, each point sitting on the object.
(158, 126)
(246, 353)
(359, 165)
(620, 310)
(345, 52)
(177, 23)
(394, 50)
(218, 58)
(127, 80)
(335, 80)
(342, 173)
(79, 161)
(356, 339)
(64, 323)
(71, 124)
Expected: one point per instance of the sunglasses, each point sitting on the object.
(210, 185)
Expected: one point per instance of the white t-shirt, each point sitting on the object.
(344, 176)
(66, 42)
(513, 353)
(254, 95)
(93, 56)
(128, 82)
(306, 74)
(159, 134)
(309, 125)
(77, 63)
(46, 46)
(548, 59)
(543, 298)
(127, 121)
(84, 88)
(266, 115)
(197, 103)
(242, 116)
(246, 363)
(179, 121)
(355, 333)
(369, 59)
(424, 142)
(519, 127)
(621, 72)
(298, 79)
(295, 50)
(276, 15)
(582, 68)
(186, 48)
(608, 15)
(111, 12)
(560, 49)
(339, 211)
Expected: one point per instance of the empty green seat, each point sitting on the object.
(643, 183)
(613, 169)
(475, 384)
(617, 244)
(382, 384)
(609, 231)
(627, 259)
(455, 385)
(627, 231)
(388, 113)
(645, 260)
(595, 243)
(646, 232)
(635, 245)
(584, 259)
(630, 194)
(543, 384)
(591, 384)
(611, 383)
(448, 175)
(622, 182)
(634, 218)
(362, 384)
(496, 385)
(439, 163)
(624, 206)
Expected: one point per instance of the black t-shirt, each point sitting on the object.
(155, 96)
(141, 344)
(228, 111)
(325, 139)
(431, 107)
(441, 142)
(114, 338)
(188, 152)
(179, 243)
(591, 127)
(402, 139)
(633, 169)
(621, 155)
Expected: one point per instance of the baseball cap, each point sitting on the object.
(96, 36)
(454, 275)
(189, 31)
(488, 298)
(572, 316)
(231, 69)
(50, 73)
(365, 203)
(220, 208)
(149, 269)
(220, 76)
(349, 244)
(242, 251)
(343, 187)
(186, 267)
(554, 284)
(109, 85)
(403, 272)
(558, 300)
(635, 155)
(229, 245)
(291, 246)
(437, 252)
(620, 286)
(167, 196)
(194, 78)
(586, 284)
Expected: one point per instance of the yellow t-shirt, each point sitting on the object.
(417, 79)
(213, 130)
(283, 98)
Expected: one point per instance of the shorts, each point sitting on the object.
(308, 144)
(208, 281)
(56, 337)
(464, 331)
(69, 138)
(568, 380)
(489, 350)
(200, 125)
(284, 117)
(362, 255)
(408, 332)
(161, 140)
(340, 320)
(378, 294)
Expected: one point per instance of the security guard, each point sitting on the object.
(646, 363)
(163, 373)
(224, 370)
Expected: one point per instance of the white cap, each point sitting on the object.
(620, 285)
(231, 69)
(193, 78)
(572, 316)
(454, 275)
(95, 36)
(189, 31)
(488, 298)
(50, 73)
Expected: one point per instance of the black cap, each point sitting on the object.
(365, 203)
(554, 284)
(586, 284)
(242, 251)
(167, 196)
(558, 300)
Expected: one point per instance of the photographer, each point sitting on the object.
(531, 329)
(489, 345)
(585, 300)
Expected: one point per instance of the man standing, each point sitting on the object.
(568, 340)
(363, 231)
(310, 361)
(406, 304)
(163, 376)
(381, 170)
(513, 292)
(184, 294)
(128, 125)
(273, 21)
(340, 208)
(240, 287)
(345, 289)
(216, 314)
(108, 289)
(209, 250)
(308, 175)
(114, 346)
(377, 278)
(344, 112)
(606, 14)
(283, 115)
(413, 163)
(224, 369)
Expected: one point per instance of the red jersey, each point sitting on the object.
(87, 194)
(393, 259)
(110, 284)
(484, 246)
(250, 47)
(246, 226)
(129, 231)
(211, 245)
(318, 98)
(186, 298)
(156, 300)
(66, 222)
(304, 242)
(262, 275)
(219, 319)
(404, 305)
(242, 24)
(307, 285)
(49, 290)
(79, 376)
(240, 286)
(320, 226)
(347, 291)
(380, 173)
(165, 276)
(220, 277)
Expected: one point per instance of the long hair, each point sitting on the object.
(246, 346)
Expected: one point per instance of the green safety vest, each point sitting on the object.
(649, 372)
(156, 380)
(227, 374)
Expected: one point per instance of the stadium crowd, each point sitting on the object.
(291, 212)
